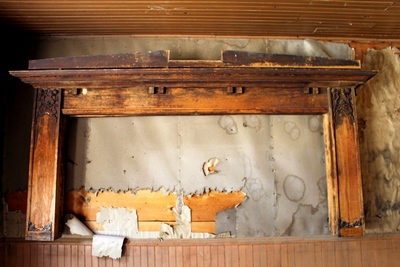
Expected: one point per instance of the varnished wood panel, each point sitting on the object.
(318, 19)
(315, 251)
(138, 101)
(46, 169)
(349, 183)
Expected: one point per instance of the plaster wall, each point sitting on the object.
(276, 160)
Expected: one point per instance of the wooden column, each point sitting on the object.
(45, 194)
(351, 215)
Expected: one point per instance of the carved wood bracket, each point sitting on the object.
(342, 105)
(47, 103)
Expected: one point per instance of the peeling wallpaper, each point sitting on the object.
(277, 161)
(378, 103)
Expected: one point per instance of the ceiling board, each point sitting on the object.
(374, 20)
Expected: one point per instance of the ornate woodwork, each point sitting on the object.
(151, 84)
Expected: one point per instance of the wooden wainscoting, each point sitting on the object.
(308, 251)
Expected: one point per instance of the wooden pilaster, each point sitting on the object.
(351, 215)
(45, 194)
(151, 84)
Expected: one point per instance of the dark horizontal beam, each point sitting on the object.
(189, 77)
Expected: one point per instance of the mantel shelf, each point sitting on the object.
(152, 84)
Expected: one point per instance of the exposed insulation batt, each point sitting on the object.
(378, 107)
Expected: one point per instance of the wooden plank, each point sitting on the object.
(45, 196)
(158, 257)
(331, 172)
(149, 205)
(190, 77)
(160, 59)
(179, 256)
(143, 256)
(150, 256)
(186, 256)
(277, 254)
(151, 59)
(200, 256)
(41, 259)
(228, 255)
(284, 255)
(221, 255)
(291, 254)
(171, 256)
(88, 256)
(214, 257)
(351, 212)
(328, 255)
(383, 253)
(204, 207)
(207, 255)
(270, 255)
(136, 256)
(393, 247)
(74, 255)
(318, 254)
(26, 252)
(180, 101)
(263, 60)
(81, 256)
(53, 255)
(235, 256)
(369, 251)
(345, 252)
(256, 255)
(242, 256)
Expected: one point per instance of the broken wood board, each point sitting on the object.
(153, 208)
(268, 60)
(161, 59)
(124, 60)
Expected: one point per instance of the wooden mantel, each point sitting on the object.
(152, 84)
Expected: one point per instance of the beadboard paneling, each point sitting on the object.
(296, 18)
(316, 251)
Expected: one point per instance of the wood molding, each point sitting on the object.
(268, 84)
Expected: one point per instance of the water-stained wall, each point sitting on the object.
(378, 103)
(277, 161)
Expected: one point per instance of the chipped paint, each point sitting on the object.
(182, 228)
(118, 221)
(209, 166)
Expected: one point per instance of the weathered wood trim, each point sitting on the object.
(191, 77)
(259, 59)
(331, 173)
(317, 251)
(351, 217)
(181, 101)
(45, 185)
(269, 84)
(154, 59)
(161, 59)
